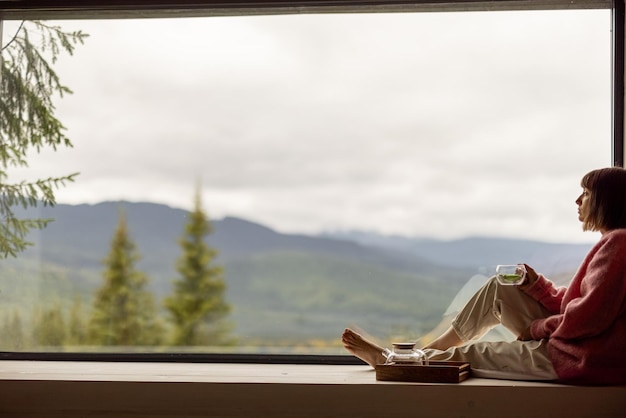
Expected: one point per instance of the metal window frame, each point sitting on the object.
(120, 9)
(90, 9)
(617, 82)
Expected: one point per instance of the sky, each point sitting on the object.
(441, 125)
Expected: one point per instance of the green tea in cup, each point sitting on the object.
(510, 274)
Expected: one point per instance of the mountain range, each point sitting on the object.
(282, 287)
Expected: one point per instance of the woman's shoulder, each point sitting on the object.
(619, 233)
(613, 238)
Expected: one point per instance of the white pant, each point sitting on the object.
(492, 305)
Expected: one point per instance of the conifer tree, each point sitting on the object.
(49, 328)
(76, 324)
(12, 331)
(124, 312)
(28, 84)
(197, 308)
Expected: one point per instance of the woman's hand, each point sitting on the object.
(531, 277)
(525, 335)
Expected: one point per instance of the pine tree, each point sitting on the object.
(197, 308)
(77, 325)
(12, 332)
(49, 327)
(124, 312)
(28, 84)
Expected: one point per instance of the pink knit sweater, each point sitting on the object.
(587, 331)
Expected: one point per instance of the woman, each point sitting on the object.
(574, 335)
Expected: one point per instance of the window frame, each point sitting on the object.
(120, 9)
(98, 9)
(617, 82)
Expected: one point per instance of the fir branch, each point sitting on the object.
(15, 35)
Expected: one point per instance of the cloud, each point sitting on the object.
(435, 124)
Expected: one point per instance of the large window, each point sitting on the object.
(357, 169)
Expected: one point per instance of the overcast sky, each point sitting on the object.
(434, 125)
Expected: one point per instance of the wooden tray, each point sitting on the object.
(435, 372)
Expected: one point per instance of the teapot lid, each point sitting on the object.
(404, 346)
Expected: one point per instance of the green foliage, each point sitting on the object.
(49, 328)
(197, 307)
(302, 295)
(12, 329)
(54, 326)
(76, 324)
(28, 84)
(124, 311)
(280, 298)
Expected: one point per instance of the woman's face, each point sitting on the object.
(583, 204)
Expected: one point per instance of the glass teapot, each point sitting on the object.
(405, 353)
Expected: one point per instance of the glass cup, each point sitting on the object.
(511, 274)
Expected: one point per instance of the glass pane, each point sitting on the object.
(364, 170)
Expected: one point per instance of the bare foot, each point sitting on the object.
(366, 350)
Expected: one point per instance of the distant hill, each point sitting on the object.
(281, 286)
(480, 253)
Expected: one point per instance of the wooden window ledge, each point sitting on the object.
(124, 389)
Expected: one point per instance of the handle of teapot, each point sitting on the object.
(386, 353)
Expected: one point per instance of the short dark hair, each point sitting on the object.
(607, 203)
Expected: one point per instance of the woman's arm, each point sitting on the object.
(543, 290)
(596, 298)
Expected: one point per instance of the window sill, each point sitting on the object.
(99, 389)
